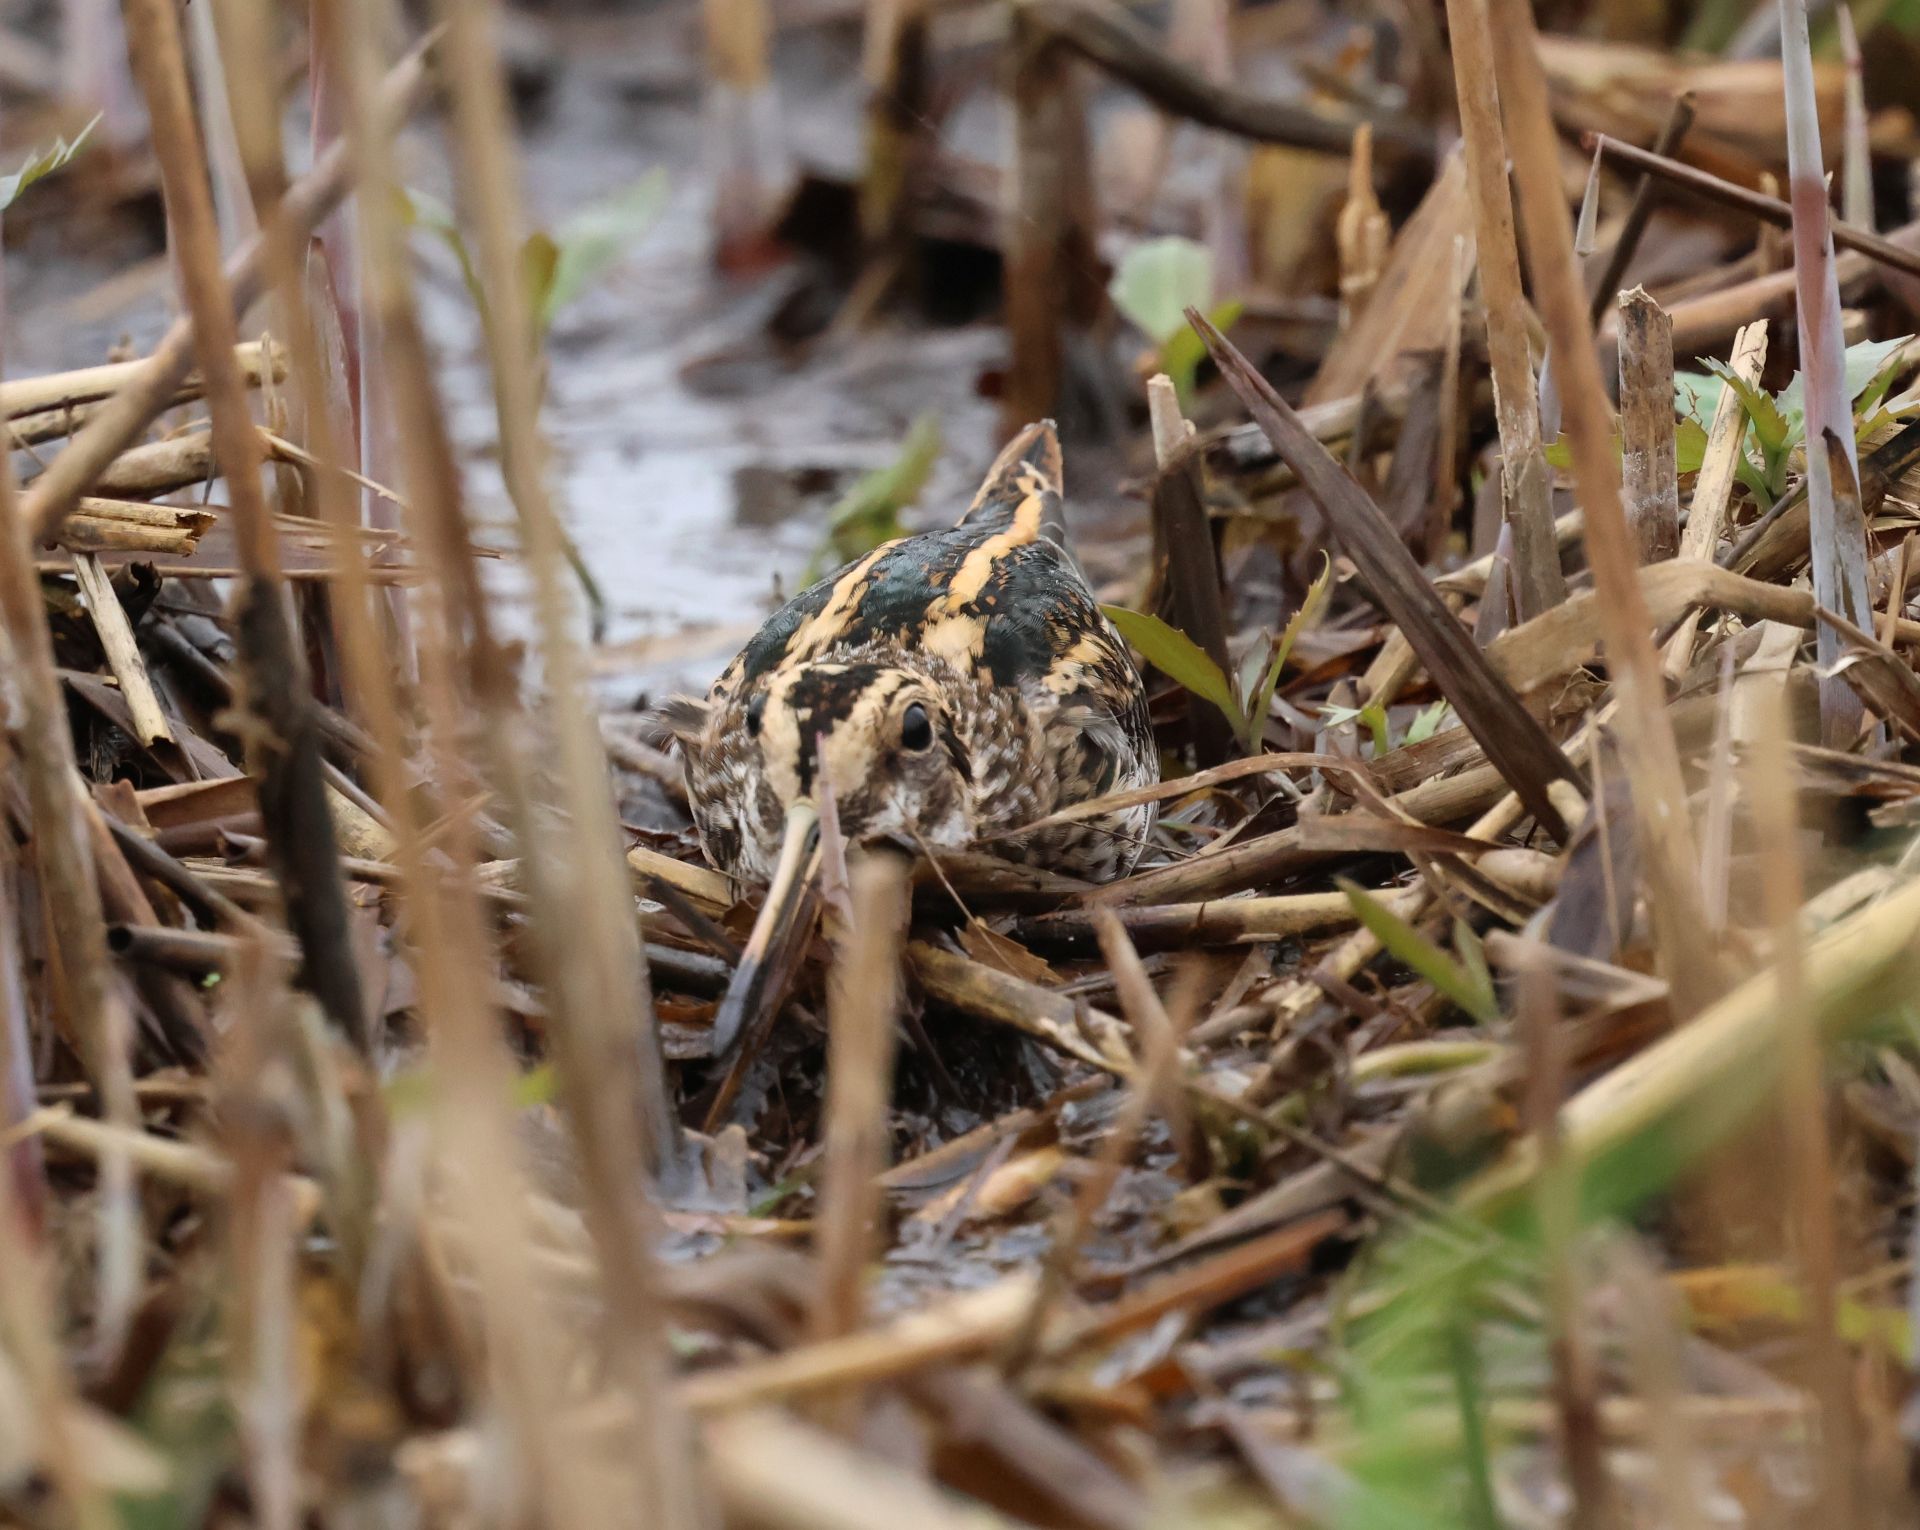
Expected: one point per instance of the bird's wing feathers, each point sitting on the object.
(1023, 491)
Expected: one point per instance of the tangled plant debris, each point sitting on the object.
(1494, 1099)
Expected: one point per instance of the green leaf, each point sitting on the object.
(594, 240)
(1413, 950)
(422, 210)
(1689, 439)
(1177, 656)
(1755, 481)
(539, 265)
(43, 164)
(1775, 429)
(1426, 723)
(536, 1086)
(1689, 446)
(1473, 958)
(1372, 717)
(1310, 607)
(1863, 367)
(1696, 395)
(1158, 280)
(1184, 350)
(1868, 399)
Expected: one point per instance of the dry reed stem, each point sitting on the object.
(115, 632)
(184, 1166)
(472, 1126)
(1888, 250)
(1513, 738)
(1155, 1078)
(861, 1012)
(54, 393)
(29, 1323)
(1361, 232)
(1655, 1344)
(604, 1037)
(262, 1230)
(1713, 487)
(776, 1474)
(119, 422)
(1565, 638)
(1640, 211)
(1660, 804)
(957, 1327)
(1525, 500)
(1734, 1047)
(1180, 926)
(1052, 222)
(989, 994)
(1897, 592)
(1443, 494)
(1812, 1190)
(1183, 533)
(1110, 37)
(1650, 477)
(94, 1004)
(1838, 533)
(1856, 177)
(1556, 1205)
(282, 744)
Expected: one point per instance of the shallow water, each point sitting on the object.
(694, 463)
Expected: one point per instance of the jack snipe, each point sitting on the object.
(943, 690)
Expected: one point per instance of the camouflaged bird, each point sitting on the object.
(946, 688)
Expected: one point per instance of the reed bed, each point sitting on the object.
(1494, 1101)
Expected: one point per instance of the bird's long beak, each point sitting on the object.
(776, 931)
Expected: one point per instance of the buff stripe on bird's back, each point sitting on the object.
(945, 689)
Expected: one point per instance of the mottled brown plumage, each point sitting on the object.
(945, 689)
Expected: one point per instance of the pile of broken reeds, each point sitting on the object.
(1494, 1101)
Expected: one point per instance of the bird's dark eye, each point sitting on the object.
(754, 708)
(916, 729)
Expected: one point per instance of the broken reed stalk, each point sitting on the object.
(1525, 485)
(1769, 210)
(1640, 210)
(1652, 758)
(1811, 1187)
(1838, 530)
(488, 1183)
(282, 740)
(1051, 224)
(118, 423)
(1649, 468)
(1713, 485)
(1362, 231)
(122, 652)
(605, 1041)
(1184, 533)
(862, 1008)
